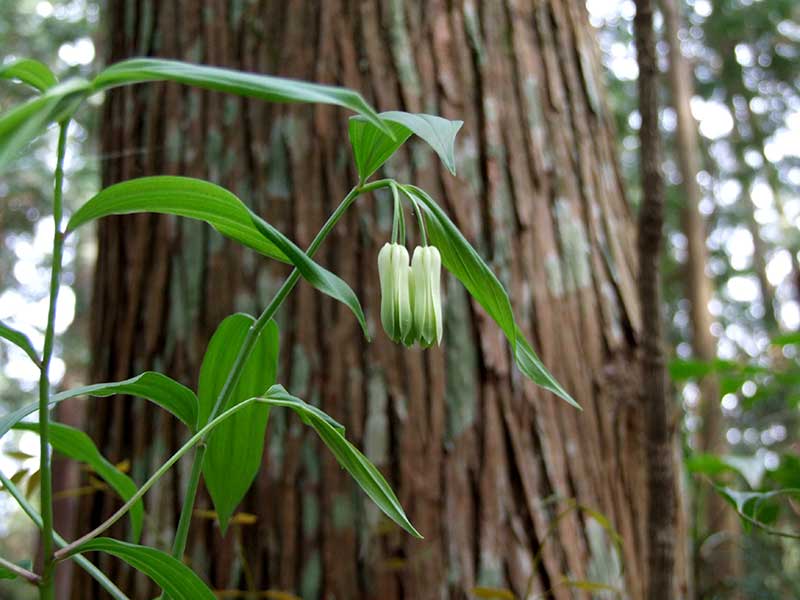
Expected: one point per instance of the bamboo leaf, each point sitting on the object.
(234, 449)
(372, 146)
(263, 87)
(20, 340)
(78, 446)
(366, 474)
(463, 261)
(175, 578)
(198, 199)
(322, 279)
(158, 388)
(184, 197)
(30, 71)
(30, 119)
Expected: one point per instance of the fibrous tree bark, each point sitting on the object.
(661, 512)
(486, 465)
(720, 563)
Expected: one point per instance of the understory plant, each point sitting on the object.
(226, 414)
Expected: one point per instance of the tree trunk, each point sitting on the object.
(484, 462)
(661, 483)
(720, 565)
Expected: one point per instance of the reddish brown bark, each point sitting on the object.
(482, 460)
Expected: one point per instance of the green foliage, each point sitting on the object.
(197, 199)
(372, 146)
(234, 449)
(19, 126)
(254, 85)
(172, 576)
(158, 388)
(78, 446)
(463, 261)
(360, 468)
(183, 197)
(20, 340)
(30, 71)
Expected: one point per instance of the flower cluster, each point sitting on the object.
(411, 303)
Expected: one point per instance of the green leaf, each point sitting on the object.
(786, 339)
(198, 199)
(30, 71)
(25, 122)
(170, 574)
(20, 340)
(182, 196)
(234, 449)
(158, 388)
(78, 446)
(463, 261)
(372, 147)
(263, 87)
(681, 369)
(7, 573)
(322, 279)
(366, 474)
(708, 464)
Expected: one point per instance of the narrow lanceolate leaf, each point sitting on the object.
(263, 87)
(322, 279)
(158, 388)
(198, 199)
(78, 446)
(234, 449)
(182, 196)
(372, 147)
(20, 340)
(171, 575)
(366, 474)
(26, 121)
(463, 261)
(30, 71)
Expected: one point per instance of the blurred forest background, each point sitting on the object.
(743, 351)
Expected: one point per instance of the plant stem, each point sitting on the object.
(418, 214)
(182, 533)
(29, 576)
(83, 562)
(255, 330)
(47, 587)
(198, 437)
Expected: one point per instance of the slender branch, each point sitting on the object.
(47, 588)
(30, 576)
(255, 330)
(83, 562)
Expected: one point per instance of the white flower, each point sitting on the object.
(426, 267)
(394, 275)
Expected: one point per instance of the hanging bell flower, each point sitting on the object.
(394, 273)
(426, 267)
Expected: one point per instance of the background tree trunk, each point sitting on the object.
(483, 461)
(662, 514)
(720, 565)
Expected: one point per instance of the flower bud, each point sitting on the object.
(394, 275)
(426, 267)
